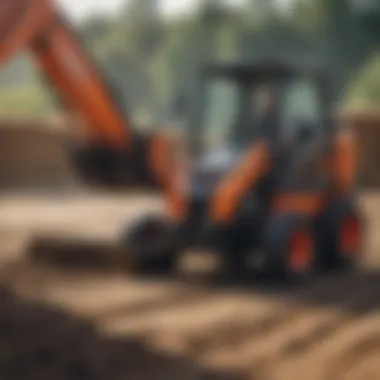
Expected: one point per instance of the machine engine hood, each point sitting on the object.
(210, 168)
(218, 161)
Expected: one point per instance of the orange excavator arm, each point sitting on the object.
(114, 152)
(38, 27)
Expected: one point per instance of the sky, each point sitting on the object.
(79, 8)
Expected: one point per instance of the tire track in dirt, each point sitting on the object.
(292, 324)
(308, 330)
(183, 316)
(265, 334)
(252, 319)
(358, 358)
(220, 321)
(105, 299)
(165, 302)
(256, 332)
(341, 357)
(329, 330)
(315, 337)
(252, 335)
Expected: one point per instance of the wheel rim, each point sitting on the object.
(301, 251)
(349, 237)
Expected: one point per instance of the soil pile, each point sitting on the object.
(367, 128)
(34, 155)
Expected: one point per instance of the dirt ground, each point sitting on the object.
(327, 330)
(35, 154)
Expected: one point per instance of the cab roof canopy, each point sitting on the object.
(264, 69)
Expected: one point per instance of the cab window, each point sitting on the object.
(301, 106)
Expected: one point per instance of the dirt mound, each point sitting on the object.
(367, 127)
(34, 155)
(43, 343)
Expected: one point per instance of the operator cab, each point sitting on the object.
(247, 102)
(242, 101)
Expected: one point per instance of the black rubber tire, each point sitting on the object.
(233, 263)
(233, 249)
(151, 253)
(328, 225)
(276, 243)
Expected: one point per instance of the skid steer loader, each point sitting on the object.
(270, 176)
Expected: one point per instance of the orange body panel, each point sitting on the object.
(161, 158)
(176, 205)
(175, 186)
(228, 195)
(345, 157)
(307, 204)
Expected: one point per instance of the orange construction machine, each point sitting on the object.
(267, 181)
(270, 179)
(113, 152)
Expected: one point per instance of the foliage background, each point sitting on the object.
(148, 59)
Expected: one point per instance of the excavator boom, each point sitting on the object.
(38, 27)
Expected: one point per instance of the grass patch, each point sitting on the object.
(29, 99)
